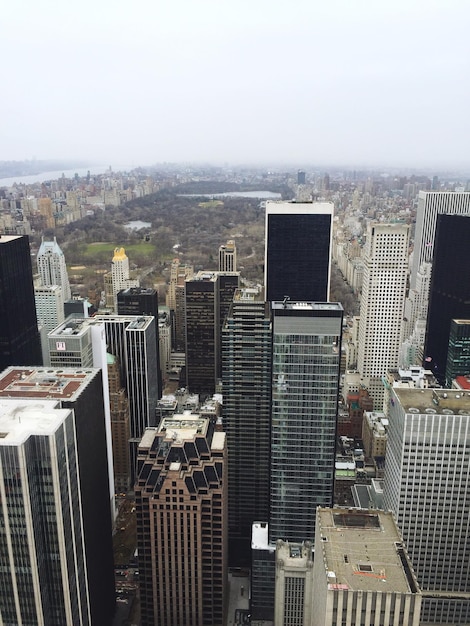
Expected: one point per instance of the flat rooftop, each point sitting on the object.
(300, 208)
(441, 401)
(19, 419)
(360, 551)
(184, 426)
(44, 382)
(307, 306)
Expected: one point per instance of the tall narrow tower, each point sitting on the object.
(306, 368)
(19, 336)
(228, 257)
(246, 378)
(298, 251)
(382, 304)
(52, 267)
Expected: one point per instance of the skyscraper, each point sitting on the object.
(382, 304)
(458, 354)
(298, 251)
(43, 569)
(246, 380)
(208, 298)
(449, 295)
(306, 369)
(228, 257)
(120, 277)
(82, 393)
(181, 523)
(19, 336)
(426, 487)
(52, 267)
(430, 205)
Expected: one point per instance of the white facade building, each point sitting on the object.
(120, 275)
(52, 267)
(382, 304)
(426, 486)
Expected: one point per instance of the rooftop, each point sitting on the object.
(308, 306)
(363, 550)
(185, 426)
(27, 382)
(439, 401)
(19, 419)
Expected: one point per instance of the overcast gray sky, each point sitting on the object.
(358, 82)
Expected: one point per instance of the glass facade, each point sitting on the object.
(306, 362)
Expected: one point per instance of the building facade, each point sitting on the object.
(228, 257)
(306, 370)
(426, 488)
(19, 337)
(298, 251)
(52, 267)
(382, 304)
(43, 569)
(246, 383)
(458, 354)
(181, 504)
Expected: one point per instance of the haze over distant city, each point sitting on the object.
(254, 81)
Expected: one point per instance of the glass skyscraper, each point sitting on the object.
(306, 368)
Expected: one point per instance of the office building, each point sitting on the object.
(458, 353)
(228, 257)
(164, 338)
(43, 565)
(208, 298)
(120, 278)
(382, 303)
(52, 267)
(263, 574)
(430, 205)
(176, 302)
(361, 572)
(426, 488)
(50, 313)
(246, 383)
(142, 301)
(82, 392)
(181, 507)
(298, 251)
(294, 595)
(306, 370)
(449, 296)
(120, 429)
(19, 336)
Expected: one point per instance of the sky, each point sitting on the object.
(137, 82)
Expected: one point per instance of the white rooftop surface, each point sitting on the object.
(19, 419)
(218, 441)
(259, 537)
(296, 208)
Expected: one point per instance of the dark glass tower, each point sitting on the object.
(246, 378)
(298, 251)
(19, 336)
(449, 295)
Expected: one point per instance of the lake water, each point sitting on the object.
(263, 195)
(137, 225)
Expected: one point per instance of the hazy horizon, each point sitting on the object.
(367, 84)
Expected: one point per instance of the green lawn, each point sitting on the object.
(142, 248)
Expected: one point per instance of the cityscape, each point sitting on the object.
(263, 420)
(235, 313)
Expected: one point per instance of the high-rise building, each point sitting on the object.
(382, 304)
(298, 251)
(120, 430)
(458, 354)
(176, 302)
(181, 506)
(361, 573)
(82, 392)
(426, 488)
(52, 267)
(246, 383)
(228, 257)
(43, 567)
(50, 313)
(19, 337)
(294, 595)
(120, 277)
(306, 370)
(132, 339)
(430, 205)
(142, 301)
(208, 298)
(449, 295)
